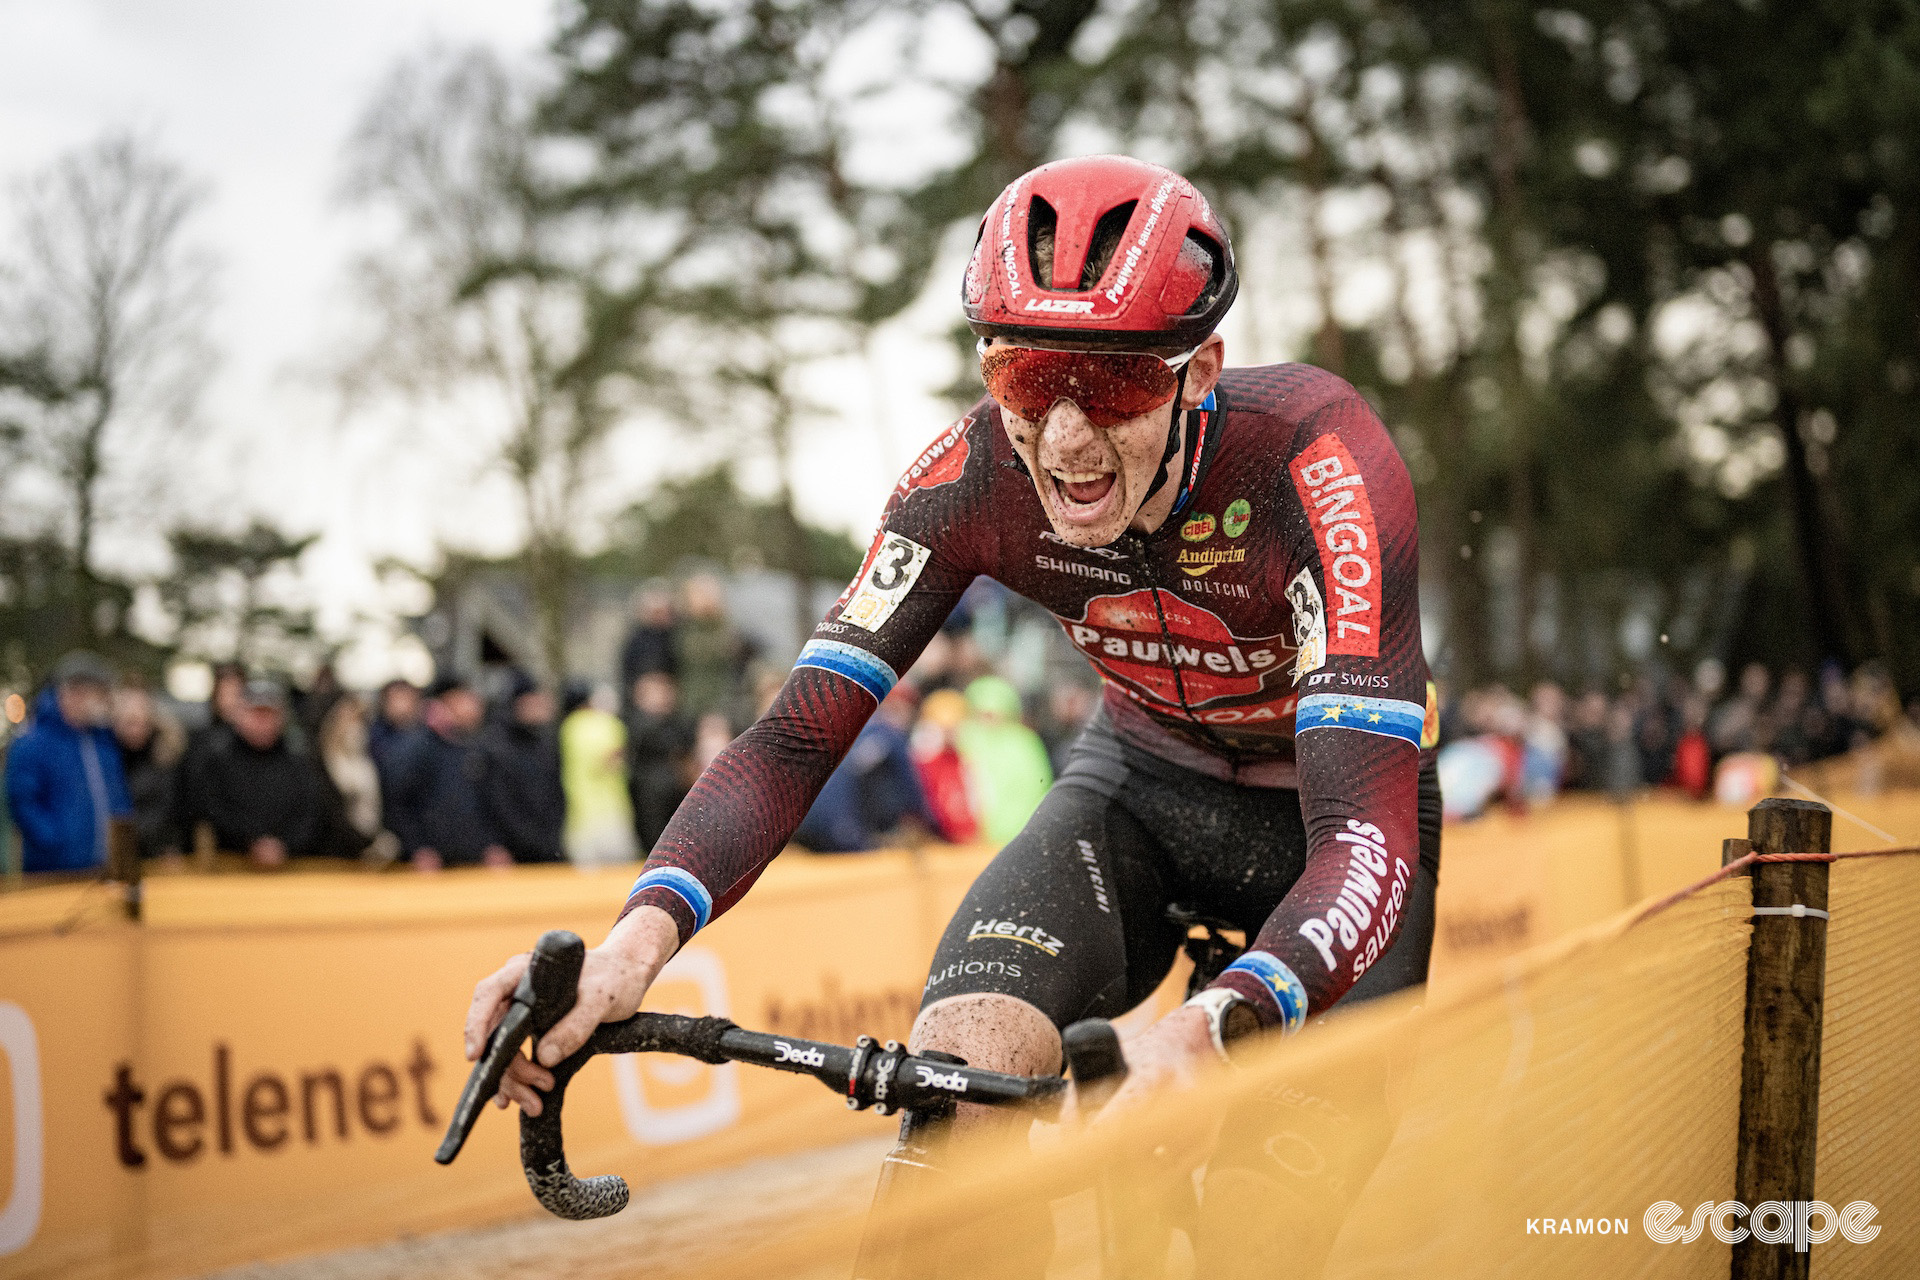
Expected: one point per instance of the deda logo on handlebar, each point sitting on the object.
(884, 1077)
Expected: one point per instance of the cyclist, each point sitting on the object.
(1234, 550)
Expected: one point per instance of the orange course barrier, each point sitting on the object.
(263, 1066)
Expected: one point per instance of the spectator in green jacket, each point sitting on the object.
(1006, 763)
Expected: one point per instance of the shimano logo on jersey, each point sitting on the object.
(1069, 306)
(1074, 569)
(806, 1057)
(1007, 931)
(951, 1081)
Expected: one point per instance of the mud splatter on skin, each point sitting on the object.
(994, 1032)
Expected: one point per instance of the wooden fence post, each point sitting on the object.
(1780, 1066)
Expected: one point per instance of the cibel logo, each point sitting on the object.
(784, 1052)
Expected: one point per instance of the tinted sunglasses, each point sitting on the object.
(1109, 386)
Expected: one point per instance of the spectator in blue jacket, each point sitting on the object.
(435, 800)
(64, 784)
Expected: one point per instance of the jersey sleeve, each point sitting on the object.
(1353, 582)
(932, 542)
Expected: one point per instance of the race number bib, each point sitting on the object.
(1309, 624)
(896, 567)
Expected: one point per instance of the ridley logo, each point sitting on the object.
(1069, 306)
(1333, 494)
(784, 1052)
(941, 463)
(1122, 636)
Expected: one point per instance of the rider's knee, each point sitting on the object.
(992, 1031)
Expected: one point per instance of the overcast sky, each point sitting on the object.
(256, 98)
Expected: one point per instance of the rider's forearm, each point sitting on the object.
(1360, 795)
(750, 800)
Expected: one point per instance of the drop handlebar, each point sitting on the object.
(884, 1077)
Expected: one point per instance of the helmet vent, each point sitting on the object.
(1042, 222)
(1105, 244)
(1215, 258)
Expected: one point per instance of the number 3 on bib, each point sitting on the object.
(890, 576)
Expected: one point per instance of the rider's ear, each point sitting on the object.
(1203, 371)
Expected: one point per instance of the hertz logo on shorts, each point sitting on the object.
(1007, 931)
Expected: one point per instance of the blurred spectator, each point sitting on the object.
(436, 806)
(1621, 772)
(317, 699)
(593, 745)
(876, 790)
(64, 785)
(395, 723)
(943, 775)
(1738, 724)
(1543, 762)
(1692, 754)
(1587, 743)
(713, 657)
(396, 715)
(1007, 769)
(341, 739)
(520, 782)
(261, 797)
(651, 645)
(223, 706)
(1830, 717)
(660, 741)
(151, 746)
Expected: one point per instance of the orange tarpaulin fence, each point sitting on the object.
(263, 1066)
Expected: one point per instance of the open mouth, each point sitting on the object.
(1084, 495)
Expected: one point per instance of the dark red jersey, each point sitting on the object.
(1267, 634)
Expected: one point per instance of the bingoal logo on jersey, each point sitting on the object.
(1333, 493)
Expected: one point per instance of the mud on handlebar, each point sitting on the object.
(884, 1077)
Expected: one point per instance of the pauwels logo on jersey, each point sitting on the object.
(942, 462)
(1122, 635)
(1334, 495)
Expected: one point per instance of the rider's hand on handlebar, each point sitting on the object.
(1173, 1053)
(613, 981)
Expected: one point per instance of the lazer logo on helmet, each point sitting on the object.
(1122, 635)
(1333, 493)
(1071, 306)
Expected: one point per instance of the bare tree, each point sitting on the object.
(487, 295)
(105, 300)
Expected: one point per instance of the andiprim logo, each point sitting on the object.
(20, 1215)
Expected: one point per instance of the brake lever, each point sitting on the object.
(546, 992)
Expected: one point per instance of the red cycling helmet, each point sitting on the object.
(1169, 281)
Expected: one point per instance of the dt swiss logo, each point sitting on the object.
(942, 462)
(1122, 636)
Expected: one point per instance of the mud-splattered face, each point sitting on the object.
(1093, 481)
